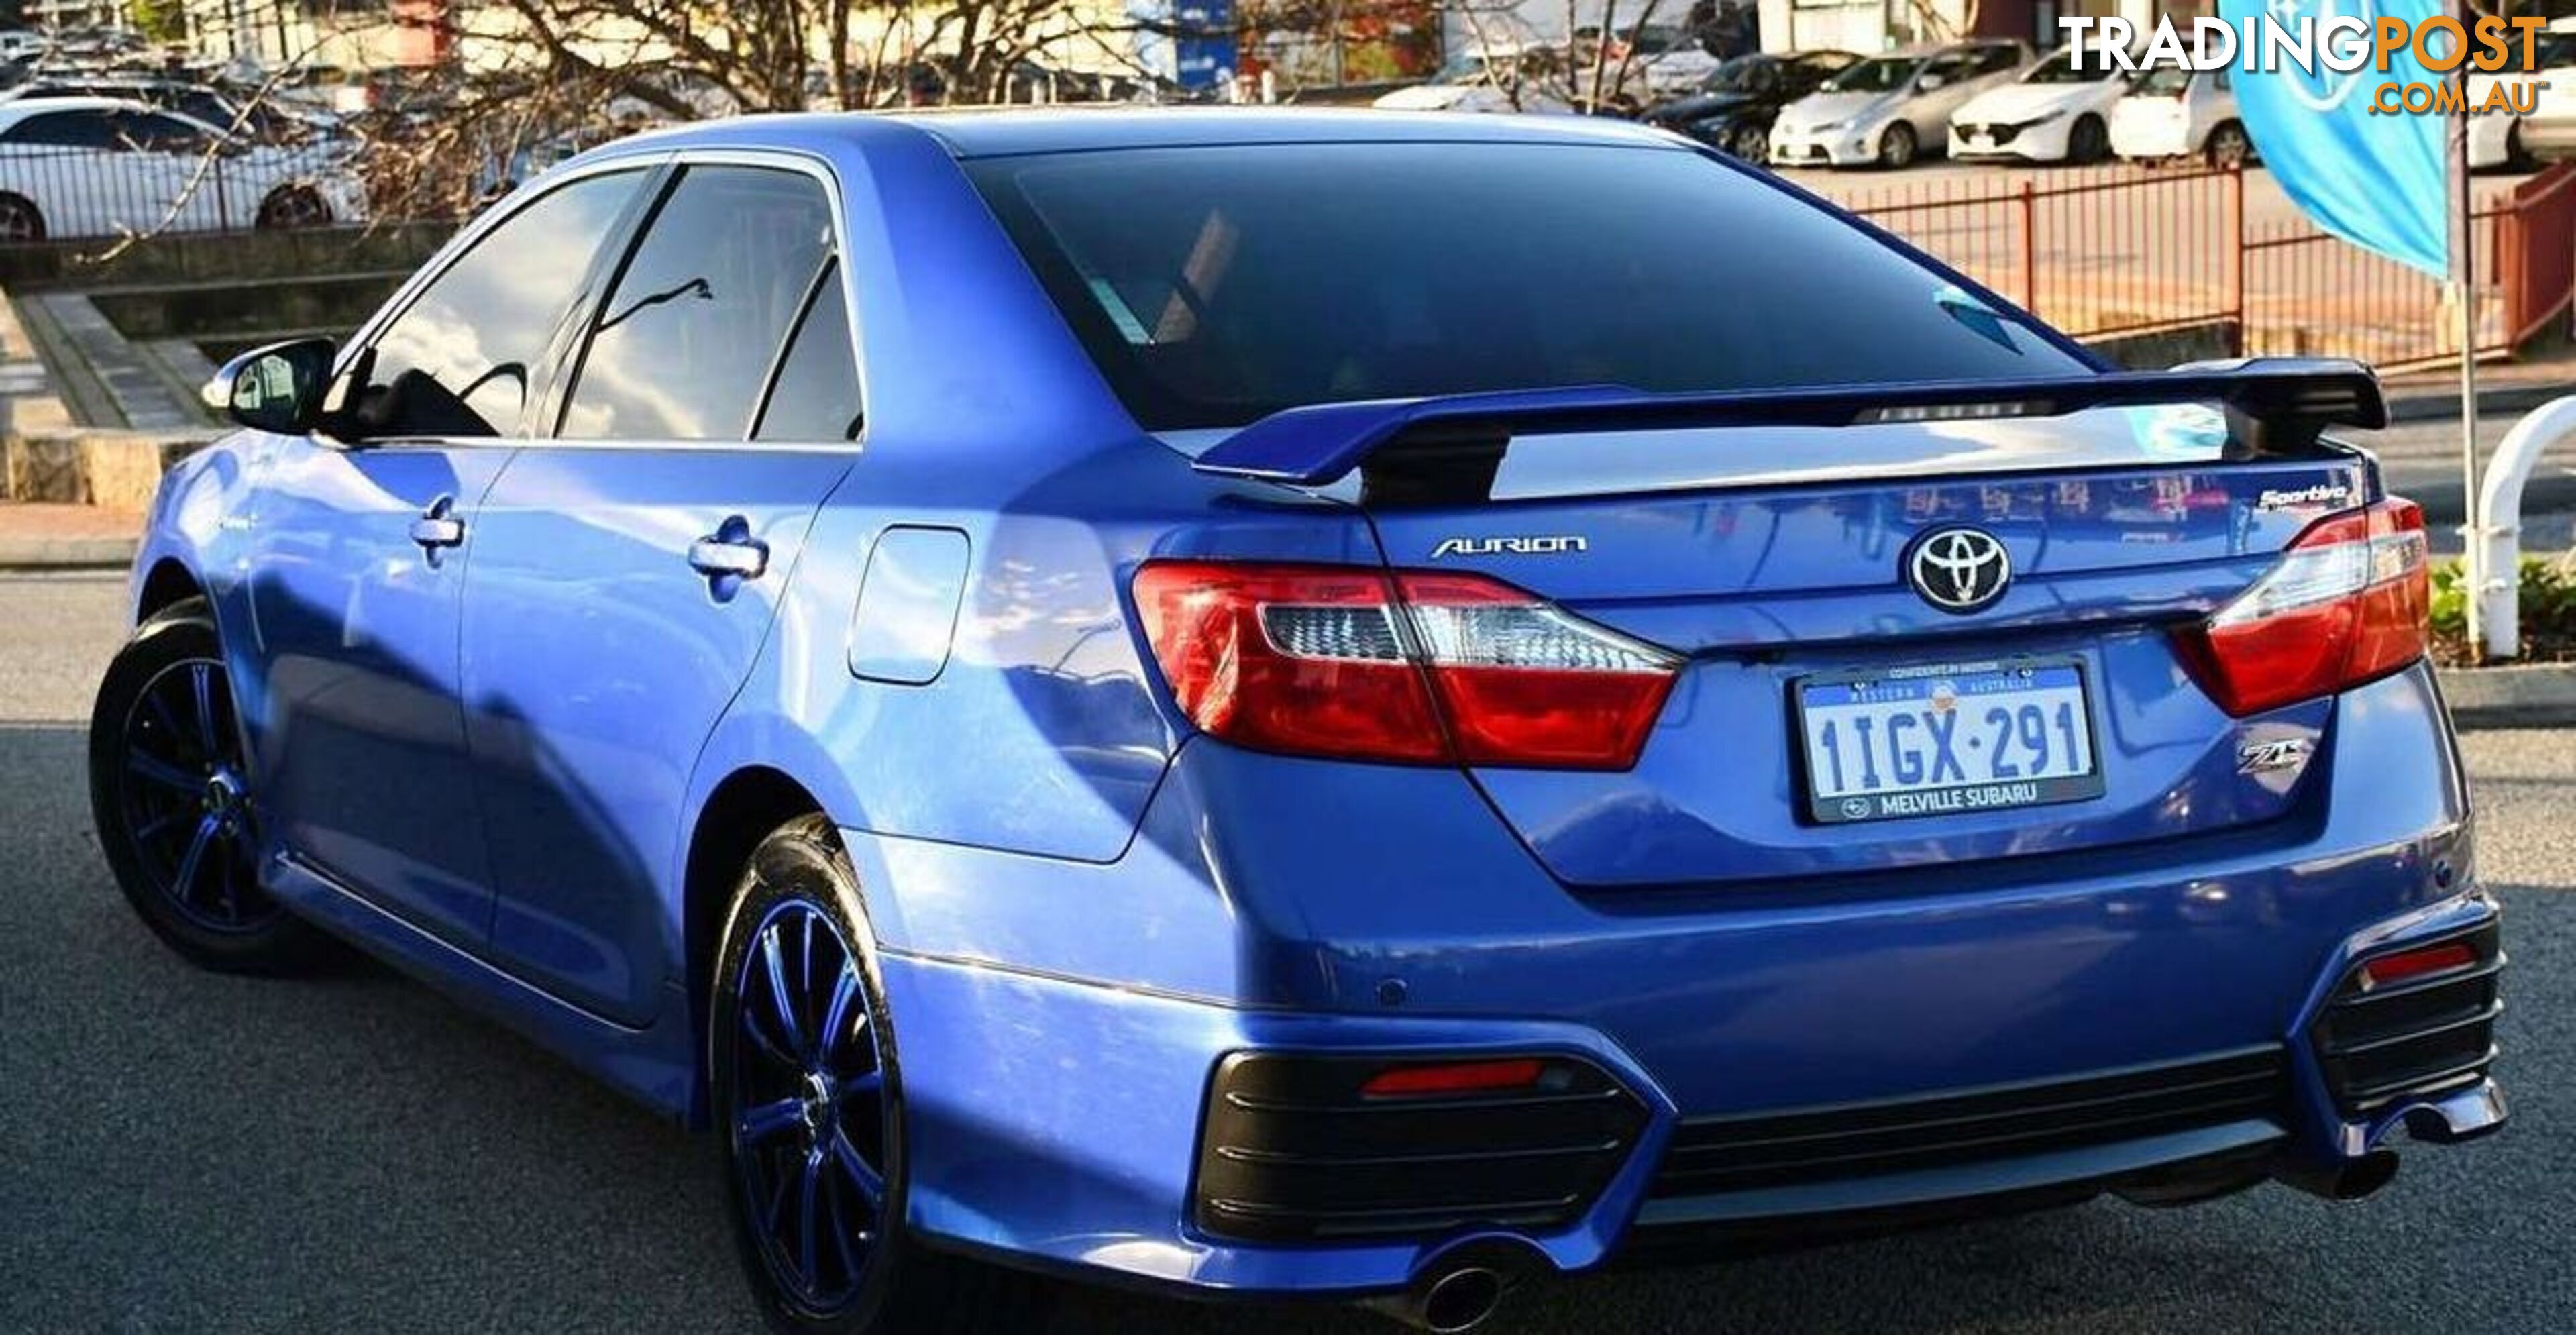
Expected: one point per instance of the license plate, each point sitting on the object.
(1943, 739)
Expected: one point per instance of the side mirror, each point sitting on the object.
(1931, 82)
(277, 388)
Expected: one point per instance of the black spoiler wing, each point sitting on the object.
(2291, 399)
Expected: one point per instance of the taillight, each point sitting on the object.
(2351, 601)
(1408, 667)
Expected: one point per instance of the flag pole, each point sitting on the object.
(2465, 279)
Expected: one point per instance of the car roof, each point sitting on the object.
(973, 134)
(17, 109)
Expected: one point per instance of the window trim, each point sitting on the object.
(565, 369)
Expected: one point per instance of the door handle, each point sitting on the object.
(438, 526)
(730, 551)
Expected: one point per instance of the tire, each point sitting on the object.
(2516, 157)
(1749, 143)
(1898, 146)
(2228, 147)
(20, 219)
(832, 1257)
(291, 206)
(171, 795)
(2088, 141)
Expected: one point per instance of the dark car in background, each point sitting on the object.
(1735, 104)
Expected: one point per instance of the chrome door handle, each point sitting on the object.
(723, 554)
(438, 526)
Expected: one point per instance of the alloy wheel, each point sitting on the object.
(809, 1106)
(184, 798)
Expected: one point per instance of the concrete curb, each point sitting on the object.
(67, 553)
(2541, 695)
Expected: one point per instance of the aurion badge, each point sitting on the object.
(1958, 569)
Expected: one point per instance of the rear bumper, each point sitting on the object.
(1063, 1024)
(1058, 1124)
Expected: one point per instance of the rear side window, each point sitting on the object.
(64, 129)
(685, 340)
(456, 362)
(1216, 285)
(817, 394)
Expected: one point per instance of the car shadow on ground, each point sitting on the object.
(193, 1151)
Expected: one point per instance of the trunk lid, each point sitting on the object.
(1779, 560)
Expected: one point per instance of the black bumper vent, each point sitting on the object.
(2425, 1035)
(1712, 1156)
(1295, 1150)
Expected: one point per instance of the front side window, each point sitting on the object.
(458, 360)
(684, 340)
(1216, 285)
(1883, 75)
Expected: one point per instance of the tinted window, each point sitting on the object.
(1214, 285)
(817, 396)
(457, 362)
(685, 339)
(68, 129)
(146, 130)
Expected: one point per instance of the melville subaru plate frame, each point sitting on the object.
(1916, 800)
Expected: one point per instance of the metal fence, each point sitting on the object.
(2119, 252)
(52, 194)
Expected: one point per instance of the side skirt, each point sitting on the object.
(655, 1065)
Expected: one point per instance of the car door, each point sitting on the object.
(174, 179)
(625, 573)
(358, 553)
(66, 164)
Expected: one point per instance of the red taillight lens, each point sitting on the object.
(2390, 970)
(1413, 668)
(1455, 1078)
(2350, 601)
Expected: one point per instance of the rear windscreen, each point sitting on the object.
(1215, 285)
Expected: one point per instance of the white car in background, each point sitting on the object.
(1886, 110)
(2057, 111)
(2171, 113)
(1495, 80)
(2499, 140)
(83, 167)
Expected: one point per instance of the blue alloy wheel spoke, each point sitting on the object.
(782, 1007)
(162, 772)
(769, 1119)
(836, 1017)
(855, 1167)
(809, 1202)
(201, 686)
(185, 878)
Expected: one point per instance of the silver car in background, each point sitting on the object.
(1887, 110)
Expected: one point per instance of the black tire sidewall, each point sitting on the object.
(803, 861)
(1888, 156)
(183, 633)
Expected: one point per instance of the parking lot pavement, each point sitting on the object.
(187, 1152)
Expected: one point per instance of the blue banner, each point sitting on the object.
(2375, 180)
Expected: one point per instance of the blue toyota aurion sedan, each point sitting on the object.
(1314, 704)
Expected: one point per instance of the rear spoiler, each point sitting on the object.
(2289, 399)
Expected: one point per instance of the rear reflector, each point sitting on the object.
(1411, 668)
(2350, 602)
(1455, 1078)
(2390, 970)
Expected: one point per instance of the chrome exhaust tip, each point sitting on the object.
(1448, 1300)
(2345, 1182)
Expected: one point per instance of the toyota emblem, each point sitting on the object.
(1958, 569)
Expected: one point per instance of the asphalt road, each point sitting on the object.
(180, 1151)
